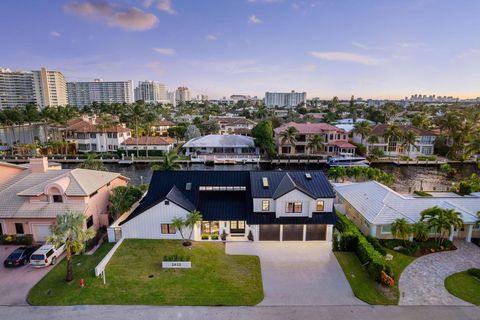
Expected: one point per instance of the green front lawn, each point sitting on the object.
(135, 276)
(363, 286)
(464, 286)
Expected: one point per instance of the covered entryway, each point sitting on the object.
(41, 232)
(269, 232)
(316, 232)
(292, 232)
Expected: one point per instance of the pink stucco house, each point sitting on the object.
(31, 196)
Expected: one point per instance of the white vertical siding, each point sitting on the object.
(257, 204)
(147, 224)
(294, 196)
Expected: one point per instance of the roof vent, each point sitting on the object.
(265, 182)
(188, 186)
(308, 176)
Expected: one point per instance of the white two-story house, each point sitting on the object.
(241, 205)
(92, 134)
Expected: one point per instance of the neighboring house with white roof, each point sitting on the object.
(218, 146)
(373, 207)
(348, 124)
(31, 199)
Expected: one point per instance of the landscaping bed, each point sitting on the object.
(135, 276)
(465, 285)
(417, 248)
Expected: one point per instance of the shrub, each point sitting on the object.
(101, 233)
(26, 239)
(205, 236)
(176, 257)
(376, 244)
(427, 158)
(475, 272)
(214, 236)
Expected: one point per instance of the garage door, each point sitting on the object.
(269, 232)
(41, 232)
(292, 232)
(316, 232)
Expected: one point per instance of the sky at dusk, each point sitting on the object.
(368, 48)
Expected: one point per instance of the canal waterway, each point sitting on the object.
(407, 178)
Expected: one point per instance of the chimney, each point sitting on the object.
(39, 165)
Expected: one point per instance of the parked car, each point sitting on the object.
(46, 255)
(20, 256)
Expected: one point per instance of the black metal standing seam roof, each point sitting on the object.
(318, 186)
(233, 205)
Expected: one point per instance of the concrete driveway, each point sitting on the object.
(298, 273)
(15, 283)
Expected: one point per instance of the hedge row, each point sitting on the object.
(352, 239)
(26, 239)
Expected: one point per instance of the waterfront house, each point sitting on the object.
(33, 195)
(424, 145)
(155, 143)
(269, 205)
(218, 147)
(92, 134)
(161, 127)
(335, 140)
(373, 207)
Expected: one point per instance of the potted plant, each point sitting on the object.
(250, 235)
(214, 236)
(224, 235)
(205, 236)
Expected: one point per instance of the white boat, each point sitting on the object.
(347, 160)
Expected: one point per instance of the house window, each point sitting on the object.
(293, 207)
(168, 229)
(320, 205)
(94, 146)
(110, 135)
(210, 227)
(167, 202)
(57, 198)
(386, 229)
(265, 205)
(237, 226)
(90, 222)
(93, 135)
(19, 228)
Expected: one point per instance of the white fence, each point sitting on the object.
(100, 268)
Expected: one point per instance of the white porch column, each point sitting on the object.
(304, 232)
(410, 238)
(329, 234)
(451, 234)
(373, 231)
(281, 232)
(468, 238)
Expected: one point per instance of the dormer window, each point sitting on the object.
(320, 205)
(265, 205)
(57, 198)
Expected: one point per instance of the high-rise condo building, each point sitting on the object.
(172, 95)
(285, 99)
(182, 94)
(151, 92)
(85, 93)
(50, 88)
(16, 88)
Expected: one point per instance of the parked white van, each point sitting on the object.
(46, 255)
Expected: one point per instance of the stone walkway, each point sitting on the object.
(422, 282)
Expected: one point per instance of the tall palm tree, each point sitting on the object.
(442, 220)
(363, 129)
(136, 113)
(170, 161)
(401, 229)
(70, 231)
(192, 219)
(289, 136)
(316, 143)
(409, 140)
(392, 132)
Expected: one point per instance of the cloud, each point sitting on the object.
(147, 3)
(55, 34)
(411, 45)
(253, 19)
(211, 37)
(166, 51)
(309, 68)
(359, 45)
(473, 52)
(345, 56)
(132, 19)
(167, 6)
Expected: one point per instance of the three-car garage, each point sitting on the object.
(292, 232)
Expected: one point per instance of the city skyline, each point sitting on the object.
(218, 48)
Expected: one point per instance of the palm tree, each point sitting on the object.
(136, 112)
(442, 220)
(192, 219)
(316, 143)
(289, 136)
(421, 231)
(401, 229)
(179, 223)
(70, 231)
(409, 140)
(170, 161)
(363, 129)
(392, 132)
(420, 120)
